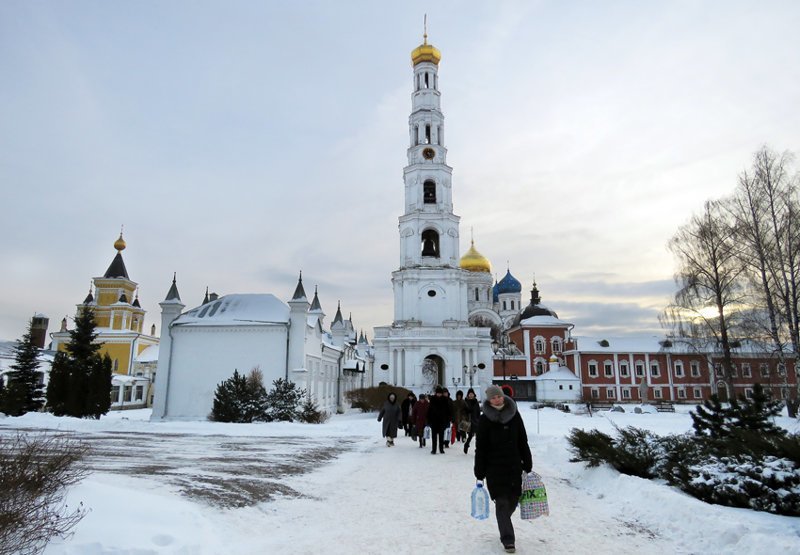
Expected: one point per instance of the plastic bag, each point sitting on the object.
(533, 501)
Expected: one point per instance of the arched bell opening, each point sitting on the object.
(430, 243)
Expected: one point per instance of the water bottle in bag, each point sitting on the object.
(480, 502)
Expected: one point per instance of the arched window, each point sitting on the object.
(429, 192)
(430, 243)
(539, 366)
(538, 345)
(477, 296)
(556, 341)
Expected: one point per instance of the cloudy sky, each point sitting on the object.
(240, 142)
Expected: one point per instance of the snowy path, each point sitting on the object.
(405, 500)
(150, 495)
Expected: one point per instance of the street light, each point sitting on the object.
(501, 347)
(470, 372)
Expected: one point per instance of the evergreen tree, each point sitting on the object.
(255, 403)
(754, 414)
(58, 384)
(2, 392)
(80, 380)
(711, 419)
(228, 399)
(283, 400)
(23, 394)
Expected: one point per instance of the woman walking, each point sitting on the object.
(501, 454)
(471, 415)
(419, 417)
(390, 414)
(438, 419)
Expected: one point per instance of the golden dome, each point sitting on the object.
(473, 261)
(119, 244)
(425, 53)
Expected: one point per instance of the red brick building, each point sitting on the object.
(633, 369)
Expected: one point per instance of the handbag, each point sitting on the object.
(533, 501)
(464, 426)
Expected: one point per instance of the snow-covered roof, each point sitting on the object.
(150, 354)
(543, 321)
(560, 373)
(124, 379)
(237, 309)
(618, 344)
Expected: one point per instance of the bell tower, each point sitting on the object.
(430, 340)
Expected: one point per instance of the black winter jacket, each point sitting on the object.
(438, 413)
(501, 449)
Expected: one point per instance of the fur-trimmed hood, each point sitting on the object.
(503, 416)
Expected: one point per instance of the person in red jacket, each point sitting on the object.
(419, 416)
(501, 454)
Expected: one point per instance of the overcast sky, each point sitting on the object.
(240, 142)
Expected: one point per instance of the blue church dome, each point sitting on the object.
(508, 284)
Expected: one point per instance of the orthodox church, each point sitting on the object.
(445, 307)
(203, 346)
(114, 300)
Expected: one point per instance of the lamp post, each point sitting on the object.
(470, 371)
(501, 346)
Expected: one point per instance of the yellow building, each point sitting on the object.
(120, 321)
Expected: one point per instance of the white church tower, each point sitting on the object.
(430, 341)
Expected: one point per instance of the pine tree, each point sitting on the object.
(2, 392)
(255, 403)
(711, 419)
(58, 384)
(228, 399)
(80, 380)
(24, 394)
(283, 401)
(753, 414)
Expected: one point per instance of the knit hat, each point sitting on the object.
(493, 390)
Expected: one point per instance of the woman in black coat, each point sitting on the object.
(501, 454)
(471, 414)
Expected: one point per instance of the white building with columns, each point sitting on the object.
(438, 296)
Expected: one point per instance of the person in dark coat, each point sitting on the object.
(448, 426)
(501, 455)
(438, 419)
(471, 414)
(406, 406)
(458, 415)
(390, 414)
(419, 416)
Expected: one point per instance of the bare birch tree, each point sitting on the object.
(709, 276)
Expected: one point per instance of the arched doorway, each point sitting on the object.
(722, 392)
(433, 371)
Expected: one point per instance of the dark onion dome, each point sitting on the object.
(534, 308)
(495, 297)
(508, 284)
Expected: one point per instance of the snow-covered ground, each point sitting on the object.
(206, 488)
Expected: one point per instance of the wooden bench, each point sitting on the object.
(664, 406)
(601, 406)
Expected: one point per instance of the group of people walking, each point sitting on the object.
(502, 452)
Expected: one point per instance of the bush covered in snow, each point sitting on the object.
(736, 456)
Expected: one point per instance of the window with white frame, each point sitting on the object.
(639, 368)
(611, 393)
(608, 369)
(681, 393)
(748, 393)
(747, 372)
(764, 368)
(697, 392)
(556, 342)
(595, 393)
(734, 371)
(623, 369)
(654, 370)
(538, 345)
(694, 368)
(626, 393)
(560, 387)
(657, 393)
(781, 369)
(718, 369)
(539, 366)
(592, 369)
(679, 369)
